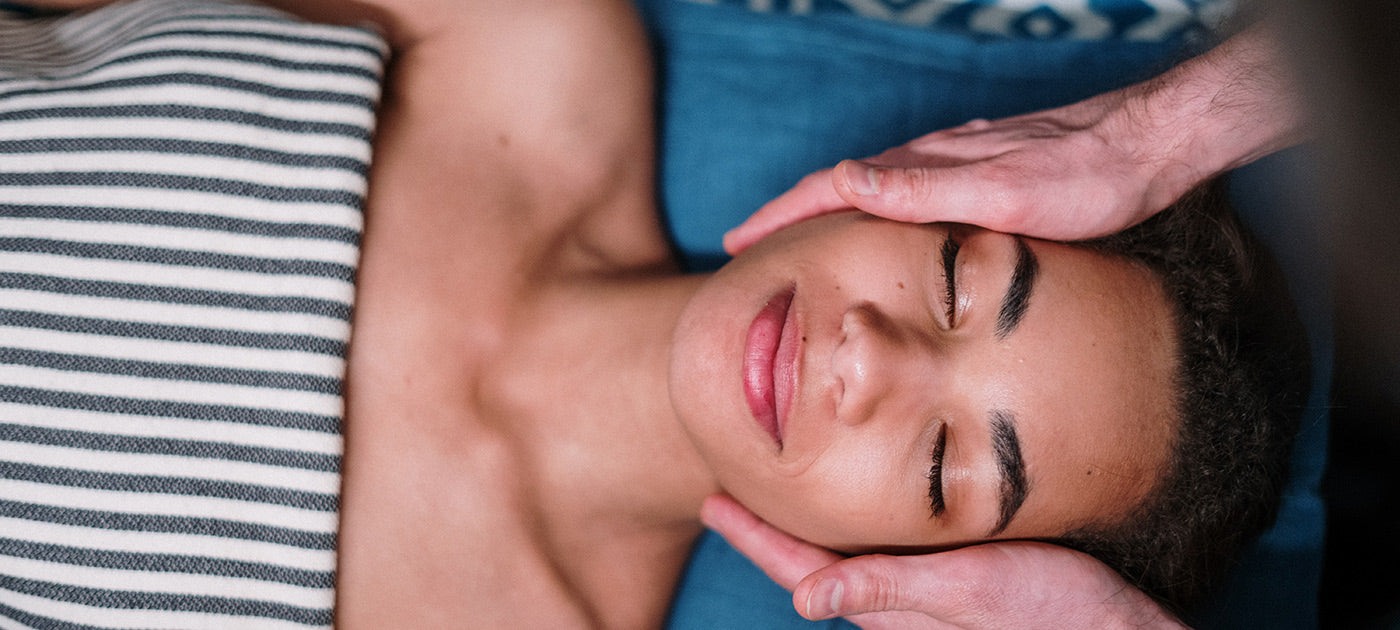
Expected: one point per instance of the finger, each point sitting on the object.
(1010, 584)
(899, 620)
(785, 559)
(972, 587)
(867, 584)
(967, 193)
(813, 195)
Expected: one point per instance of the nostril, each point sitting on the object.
(851, 361)
(877, 356)
(850, 366)
(858, 317)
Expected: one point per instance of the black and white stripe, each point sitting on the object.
(180, 212)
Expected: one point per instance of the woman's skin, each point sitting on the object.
(511, 263)
(512, 454)
(885, 363)
(524, 447)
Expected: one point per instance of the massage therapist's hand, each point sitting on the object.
(993, 585)
(1084, 170)
(1061, 174)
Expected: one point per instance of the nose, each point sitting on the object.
(879, 363)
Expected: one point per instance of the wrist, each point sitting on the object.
(1211, 114)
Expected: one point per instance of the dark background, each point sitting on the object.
(1347, 53)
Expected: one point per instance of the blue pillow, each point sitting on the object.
(750, 102)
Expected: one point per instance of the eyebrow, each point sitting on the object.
(1007, 449)
(1018, 295)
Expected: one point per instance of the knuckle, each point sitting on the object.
(883, 592)
(871, 584)
(913, 185)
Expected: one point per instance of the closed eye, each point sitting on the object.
(950, 288)
(935, 473)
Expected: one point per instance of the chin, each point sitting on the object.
(704, 379)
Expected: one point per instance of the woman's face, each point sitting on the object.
(871, 385)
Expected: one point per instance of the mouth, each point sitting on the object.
(770, 358)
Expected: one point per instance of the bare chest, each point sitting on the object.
(442, 534)
(456, 510)
(439, 521)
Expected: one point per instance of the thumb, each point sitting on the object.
(866, 584)
(996, 585)
(926, 194)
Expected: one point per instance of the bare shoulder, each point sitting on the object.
(514, 148)
(538, 110)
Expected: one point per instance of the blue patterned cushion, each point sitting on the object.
(1132, 20)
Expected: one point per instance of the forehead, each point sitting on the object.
(1093, 360)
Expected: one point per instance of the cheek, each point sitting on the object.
(859, 499)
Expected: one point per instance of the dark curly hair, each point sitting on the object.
(1242, 380)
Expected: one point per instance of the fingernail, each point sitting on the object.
(824, 600)
(863, 179)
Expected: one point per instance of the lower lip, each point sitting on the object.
(769, 356)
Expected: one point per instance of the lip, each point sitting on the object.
(769, 359)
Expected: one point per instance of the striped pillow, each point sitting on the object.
(180, 213)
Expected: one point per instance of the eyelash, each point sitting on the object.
(935, 473)
(950, 291)
(950, 296)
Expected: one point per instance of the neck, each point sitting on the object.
(592, 376)
(612, 471)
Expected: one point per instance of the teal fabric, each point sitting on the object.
(750, 102)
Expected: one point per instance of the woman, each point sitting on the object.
(534, 265)
(537, 403)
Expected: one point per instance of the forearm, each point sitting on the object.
(1216, 112)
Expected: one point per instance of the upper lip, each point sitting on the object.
(768, 363)
(786, 363)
